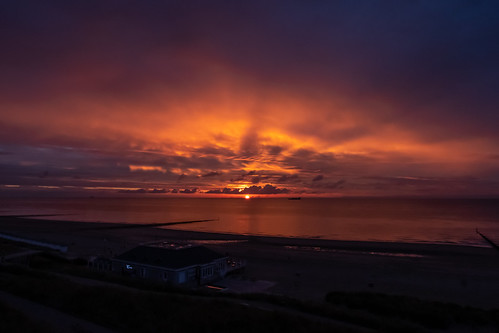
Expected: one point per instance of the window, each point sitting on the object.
(207, 271)
(191, 275)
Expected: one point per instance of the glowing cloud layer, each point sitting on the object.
(222, 97)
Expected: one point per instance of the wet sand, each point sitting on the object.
(304, 268)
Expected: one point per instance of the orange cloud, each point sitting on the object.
(157, 96)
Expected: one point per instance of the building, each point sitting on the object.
(172, 264)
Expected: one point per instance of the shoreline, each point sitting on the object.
(67, 232)
(303, 268)
(164, 229)
(405, 220)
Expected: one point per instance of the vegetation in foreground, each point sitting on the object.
(148, 307)
(433, 315)
(12, 320)
(128, 310)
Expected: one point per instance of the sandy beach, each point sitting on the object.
(303, 268)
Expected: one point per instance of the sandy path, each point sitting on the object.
(470, 279)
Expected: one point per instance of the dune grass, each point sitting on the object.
(434, 315)
(12, 320)
(153, 307)
(127, 310)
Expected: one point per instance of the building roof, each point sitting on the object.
(170, 258)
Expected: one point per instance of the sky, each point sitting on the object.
(220, 98)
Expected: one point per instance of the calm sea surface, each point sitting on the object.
(396, 220)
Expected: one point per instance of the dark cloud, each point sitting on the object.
(308, 160)
(327, 131)
(216, 151)
(60, 166)
(224, 191)
(288, 178)
(338, 184)
(274, 150)
(157, 190)
(194, 162)
(137, 191)
(256, 179)
(245, 176)
(267, 189)
(238, 179)
(188, 191)
(253, 177)
(333, 186)
(211, 174)
(318, 178)
(250, 145)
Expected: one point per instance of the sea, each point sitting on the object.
(409, 220)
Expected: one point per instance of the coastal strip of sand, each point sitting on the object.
(303, 268)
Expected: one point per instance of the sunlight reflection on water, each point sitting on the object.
(342, 251)
(450, 221)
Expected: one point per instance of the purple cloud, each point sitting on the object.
(318, 178)
(267, 189)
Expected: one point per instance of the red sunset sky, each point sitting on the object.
(329, 98)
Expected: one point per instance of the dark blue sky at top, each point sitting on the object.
(414, 51)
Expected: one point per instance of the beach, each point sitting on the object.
(297, 267)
